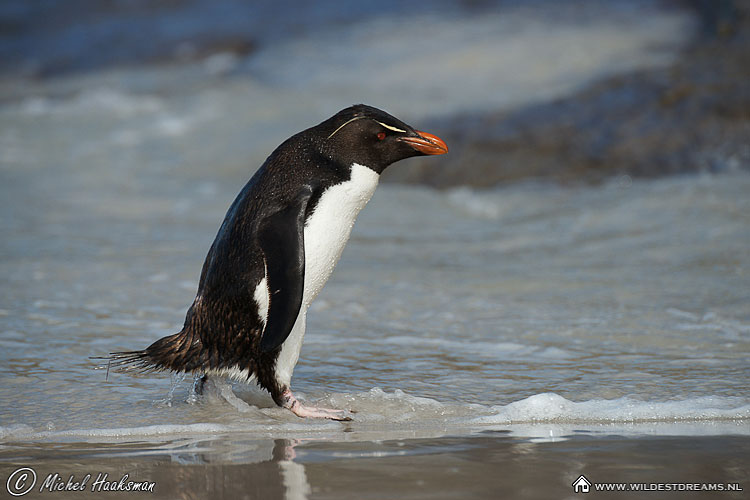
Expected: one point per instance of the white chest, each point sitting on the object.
(326, 233)
(328, 228)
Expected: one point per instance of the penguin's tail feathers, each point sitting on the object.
(173, 353)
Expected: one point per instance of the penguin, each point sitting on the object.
(276, 248)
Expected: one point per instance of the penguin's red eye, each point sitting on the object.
(381, 136)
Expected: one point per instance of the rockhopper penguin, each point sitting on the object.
(277, 247)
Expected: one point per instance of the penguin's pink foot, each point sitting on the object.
(291, 403)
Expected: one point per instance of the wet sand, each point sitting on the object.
(486, 464)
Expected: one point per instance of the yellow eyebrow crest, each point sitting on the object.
(345, 124)
(389, 127)
(392, 128)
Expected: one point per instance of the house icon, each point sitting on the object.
(581, 485)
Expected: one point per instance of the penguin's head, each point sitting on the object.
(373, 138)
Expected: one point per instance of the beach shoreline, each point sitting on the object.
(487, 464)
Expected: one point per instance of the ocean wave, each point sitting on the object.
(385, 412)
(551, 407)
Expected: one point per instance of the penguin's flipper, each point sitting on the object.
(281, 237)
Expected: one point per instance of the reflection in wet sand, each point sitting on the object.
(240, 469)
(487, 464)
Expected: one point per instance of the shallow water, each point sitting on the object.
(462, 326)
(621, 303)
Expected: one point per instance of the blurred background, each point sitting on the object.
(573, 90)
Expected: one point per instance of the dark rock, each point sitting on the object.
(692, 116)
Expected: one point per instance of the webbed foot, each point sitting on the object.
(291, 403)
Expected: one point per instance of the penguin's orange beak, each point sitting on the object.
(426, 143)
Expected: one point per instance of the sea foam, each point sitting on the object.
(384, 412)
(551, 407)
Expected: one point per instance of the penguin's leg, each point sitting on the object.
(288, 401)
(199, 384)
